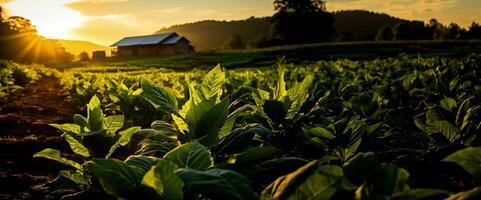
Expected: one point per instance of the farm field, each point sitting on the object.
(300, 54)
(402, 127)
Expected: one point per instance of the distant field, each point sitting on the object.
(304, 53)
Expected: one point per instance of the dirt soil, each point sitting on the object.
(24, 130)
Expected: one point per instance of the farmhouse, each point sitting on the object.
(159, 44)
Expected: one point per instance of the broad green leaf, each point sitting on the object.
(280, 90)
(163, 179)
(447, 129)
(361, 167)
(298, 94)
(206, 119)
(433, 115)
(80, 120)
(181, 124)
(254, 153)
(120, 179)
(387, 180)
(160, 97)
(76, 146)
(114, 123)
(308, 182)
(472, 194)
(468, 158)
(191, 155)
(275, 111)
(144, 163)
(320, 132)
(260, 96)
(75, 176)
(216, 184)
(448, 103)
(54, 154)
(67, 128)
(230, 121)
(196, 111)
(212, 83)
(95, 115)
(123, 139)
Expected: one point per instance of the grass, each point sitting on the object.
(302, 53)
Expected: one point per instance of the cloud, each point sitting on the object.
(147, 16)
(108, 29)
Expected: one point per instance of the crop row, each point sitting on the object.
(395, 128)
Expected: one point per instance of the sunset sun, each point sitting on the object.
(51, 18)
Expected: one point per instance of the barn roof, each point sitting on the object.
(163, 38)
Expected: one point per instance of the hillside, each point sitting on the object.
(210, 34)
(362, 25)
(76, 47)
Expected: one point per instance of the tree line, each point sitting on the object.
(307, 21)
(20, 42)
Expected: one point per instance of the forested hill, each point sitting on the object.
(362, 25)
(210, 34)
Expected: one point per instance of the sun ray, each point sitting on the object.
(51, 18)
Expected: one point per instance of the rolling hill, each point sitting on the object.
(76, 47)
(359, 25)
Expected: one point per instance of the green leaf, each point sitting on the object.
(191, 155)
(298, 94)
(474, 193)
(76, 146)
(143, 163)
(114, 123)
(450, 131)
(163, 179)
(80, 120)
(159, 97)
(216, 184)
(280, 91)
(67, 128)
(388, 179)
(319, 132)
(95, 115)
(448, 103)
(120, 179)
(206, 119)
(308, 182)
(254, 153)
(212, 83)
(468, 158)
(76, 176)
(54, 154)
(361, 167)
(124, 139)
(275, 111)
(230, 121)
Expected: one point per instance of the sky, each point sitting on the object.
(106, 21)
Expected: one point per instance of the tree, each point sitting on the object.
(84, 56)
(409, 31)
(474, 31)
(20, 42)
(234, 42)
(301, 21)
(384, 34)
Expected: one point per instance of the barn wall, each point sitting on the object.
(181, 47)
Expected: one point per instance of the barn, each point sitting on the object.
(152, 45)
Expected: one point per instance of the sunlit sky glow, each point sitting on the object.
(105, 21)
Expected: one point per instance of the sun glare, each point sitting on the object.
(51, 18)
